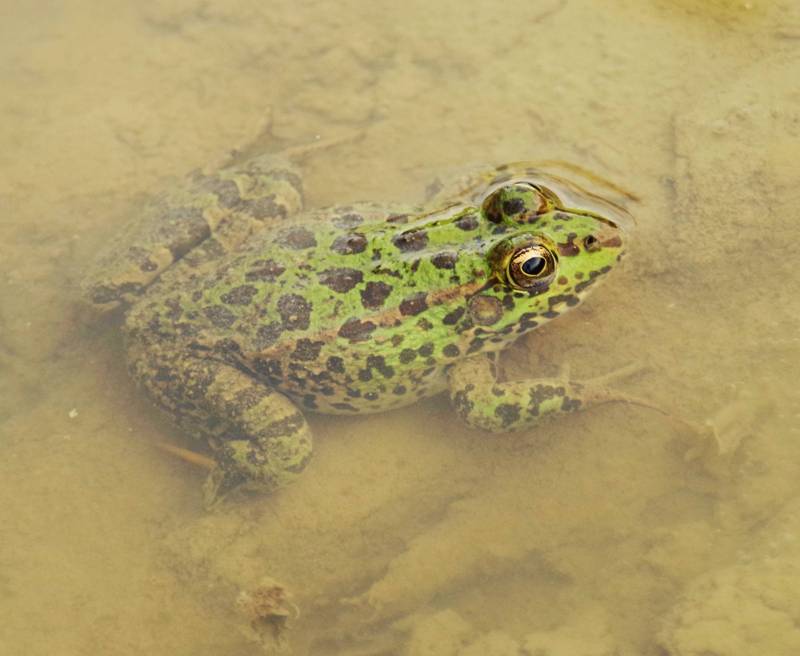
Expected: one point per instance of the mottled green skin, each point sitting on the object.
(246, 311)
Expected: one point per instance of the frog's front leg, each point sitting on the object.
(261, 441)
(484, 402)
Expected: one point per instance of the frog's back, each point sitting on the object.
(347, 309)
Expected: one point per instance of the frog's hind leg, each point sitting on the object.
(219, 210)
(263, 139)
(260, 440)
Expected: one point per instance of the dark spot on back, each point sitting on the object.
(306, 349)
(267, 270)
(378, 362)
(219, 316)
(265, 207)
(451, 351)
(444, 260)
(411, 240)
(467, 222)
(184, 228)
(570, 299)
(451, 318)
(341, 279)
(241, 295)
(102, 294)
(297, 238)
(475, 345)
(407, 355)
(335, 364)
(352, 242)
(356, 330)
(226, 191)
(414, 304)
(295, 311)
(527, 321)
(426, 350)
(508, 413)
(374, 294)
(269, 369)
(267, 335)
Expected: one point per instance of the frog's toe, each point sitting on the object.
(626, 371)
(219, 484)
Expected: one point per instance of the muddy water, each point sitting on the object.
(614, 531)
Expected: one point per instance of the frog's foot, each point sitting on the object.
(484, 402)
(271, 441)
(263, 139)
(596, 390)
(277, 447)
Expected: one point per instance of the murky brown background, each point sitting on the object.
(611, 532)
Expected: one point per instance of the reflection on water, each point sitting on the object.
(611, 531)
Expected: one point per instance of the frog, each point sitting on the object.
(245, 311)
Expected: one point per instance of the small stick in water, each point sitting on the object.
(186, 455)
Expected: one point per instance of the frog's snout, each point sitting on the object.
(610, 237)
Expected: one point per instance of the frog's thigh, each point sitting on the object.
(483, 402)
(260, 439)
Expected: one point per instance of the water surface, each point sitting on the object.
(613, 531)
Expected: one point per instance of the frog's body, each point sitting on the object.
(256, 311)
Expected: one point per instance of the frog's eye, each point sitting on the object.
(520, 202)
(531, 267)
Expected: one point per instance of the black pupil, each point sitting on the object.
(533, 266)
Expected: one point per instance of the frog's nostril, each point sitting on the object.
(591, 243)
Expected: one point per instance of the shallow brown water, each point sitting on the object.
(609, 532)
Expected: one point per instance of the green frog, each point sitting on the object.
(245, 311)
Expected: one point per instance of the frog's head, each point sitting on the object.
(549, 249)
